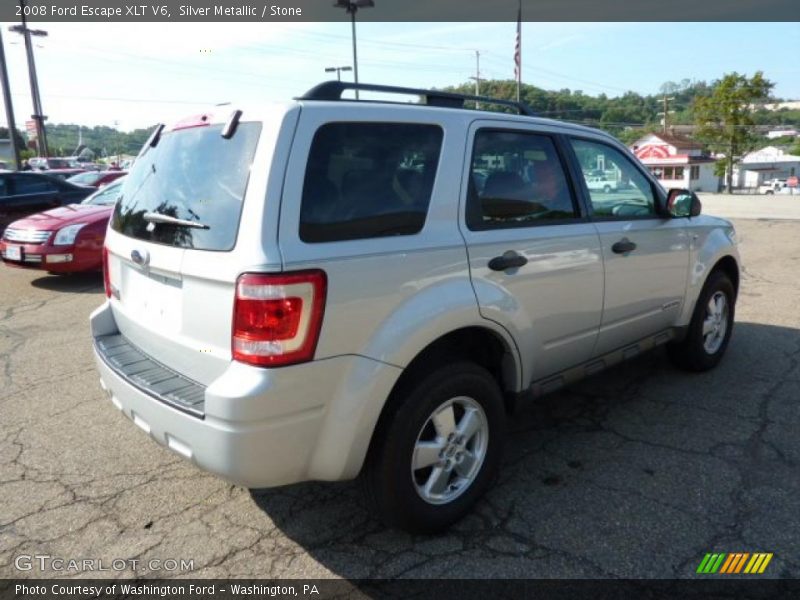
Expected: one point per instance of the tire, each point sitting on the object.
(700, 351)
(418, 500)
(606, 188)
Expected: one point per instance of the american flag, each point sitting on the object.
(518, 47)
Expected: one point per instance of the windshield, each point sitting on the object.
(89, 178)
(192, 174)
(107, 195)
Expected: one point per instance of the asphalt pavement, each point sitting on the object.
(637, 472)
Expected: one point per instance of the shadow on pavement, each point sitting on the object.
(75, 283)
(636, 472)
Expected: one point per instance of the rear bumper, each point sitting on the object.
(264, 427)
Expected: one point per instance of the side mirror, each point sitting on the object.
(683, 203)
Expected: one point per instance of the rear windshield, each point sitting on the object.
(89, 178)
(194, 175)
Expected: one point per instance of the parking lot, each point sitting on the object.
(637, 472)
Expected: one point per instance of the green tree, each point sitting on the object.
(724, 118)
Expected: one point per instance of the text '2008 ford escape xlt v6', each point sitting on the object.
(331, 288)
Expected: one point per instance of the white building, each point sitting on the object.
(778, 133)
(765, 164)
(677, 162)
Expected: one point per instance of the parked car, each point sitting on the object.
(26, 193)
(44, 164)
(773, 186)
(64, 173)
(306, 307)
(96, 179)
(597, 183)
(68, 239)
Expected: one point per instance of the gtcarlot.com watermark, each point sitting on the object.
(45, 562)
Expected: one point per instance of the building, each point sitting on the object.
(677, 162)
(765, 164)
(779, 133)
(791, 105)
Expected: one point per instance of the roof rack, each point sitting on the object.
(332, 90)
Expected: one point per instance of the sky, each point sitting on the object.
(132, 75)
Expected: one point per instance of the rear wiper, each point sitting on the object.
(155, 217)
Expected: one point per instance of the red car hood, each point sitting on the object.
(57, 218)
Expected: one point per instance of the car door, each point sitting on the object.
(645, 255)
(534, 258)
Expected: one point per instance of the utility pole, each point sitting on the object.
(477, 77)
(12, 127)
(38, 114)
(666, 111)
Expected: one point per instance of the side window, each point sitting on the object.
(368, 180)
(516, 180)
(31, 185)
(616, 187)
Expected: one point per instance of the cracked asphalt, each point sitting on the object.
(637, 472)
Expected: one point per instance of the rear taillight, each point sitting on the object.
(106, 273)
(277, 318)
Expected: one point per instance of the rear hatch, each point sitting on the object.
(172, 240)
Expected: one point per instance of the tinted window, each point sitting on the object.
(616, 187)
(32, 185)
(89, 178)
(192, 174)
(367, 180)
(105, 196)
(516, 179)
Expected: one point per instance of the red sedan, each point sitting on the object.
(68, 239)
(96, 179)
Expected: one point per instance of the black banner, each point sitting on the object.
(737, 587)
(400, 10)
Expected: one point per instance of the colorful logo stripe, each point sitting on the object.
(735, 563)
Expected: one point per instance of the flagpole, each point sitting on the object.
(519, 50)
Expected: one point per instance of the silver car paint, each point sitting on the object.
(387, 300)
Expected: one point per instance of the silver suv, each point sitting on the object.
(333, 288)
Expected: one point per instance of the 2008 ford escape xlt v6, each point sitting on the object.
(331, 288)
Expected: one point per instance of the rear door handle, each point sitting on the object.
(623, 246)
(509, 260)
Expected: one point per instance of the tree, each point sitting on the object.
(725, 117)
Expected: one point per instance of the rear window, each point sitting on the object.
(368, 180)
(89, 178)
(194, 175)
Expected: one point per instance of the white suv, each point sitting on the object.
(321, 289)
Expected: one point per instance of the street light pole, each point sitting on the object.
(38, 115)
(338, 71)
(352, 6)
(12, 127)
(352, 12)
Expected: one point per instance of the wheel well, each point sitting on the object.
(727, 264)
(480, 345)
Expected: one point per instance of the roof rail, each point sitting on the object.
(332, 90)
